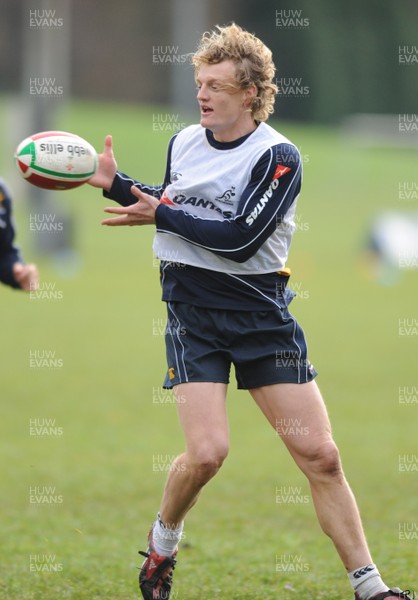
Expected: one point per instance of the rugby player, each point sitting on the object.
(224, 219)
(13, 271)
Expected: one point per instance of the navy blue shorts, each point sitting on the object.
(265, 347)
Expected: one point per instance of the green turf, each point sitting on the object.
(105, 330)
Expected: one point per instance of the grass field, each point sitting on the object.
(103, 471)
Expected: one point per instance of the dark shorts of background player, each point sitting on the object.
(266, 347)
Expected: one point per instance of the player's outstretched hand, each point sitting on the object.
(107, 167)
(26, 276)
(141, 213)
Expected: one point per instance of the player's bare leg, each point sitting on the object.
(298, 413)
(307, 435)
(202, 414)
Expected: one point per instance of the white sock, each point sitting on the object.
(165, 539)
(366, 582)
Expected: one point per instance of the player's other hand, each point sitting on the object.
(106, 170)
(140, 213)
(26, 276)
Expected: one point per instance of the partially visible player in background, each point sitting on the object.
(391, 246)
(13, 271)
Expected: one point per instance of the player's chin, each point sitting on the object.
(205, 119)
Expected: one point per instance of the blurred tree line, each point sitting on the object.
(332, 58)
(346, 53)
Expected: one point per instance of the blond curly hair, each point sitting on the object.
(254, 64)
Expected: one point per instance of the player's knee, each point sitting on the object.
(207, 463)
(324, 460)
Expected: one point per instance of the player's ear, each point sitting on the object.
(250, 93)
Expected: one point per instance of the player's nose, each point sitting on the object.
(202, 93)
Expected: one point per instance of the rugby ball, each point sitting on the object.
(56, 160)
